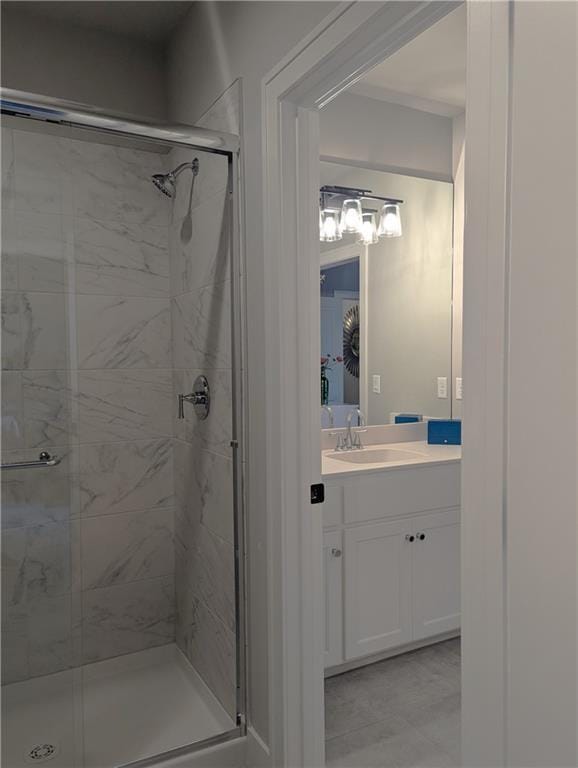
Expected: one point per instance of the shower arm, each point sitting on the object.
(194, 166)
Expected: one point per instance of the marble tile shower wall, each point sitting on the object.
(88, 546)
(201, 318)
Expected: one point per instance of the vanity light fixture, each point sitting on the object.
(341, 212)
(329, 229)
(389, 221)
(368, 234)
(351, 220)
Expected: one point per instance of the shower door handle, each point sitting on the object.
(44, 460)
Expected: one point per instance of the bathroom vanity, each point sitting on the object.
(391, 545)
(392, 508)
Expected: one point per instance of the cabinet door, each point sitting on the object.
(436, 574)
(333, 597)
(333, 505)
(377, 561)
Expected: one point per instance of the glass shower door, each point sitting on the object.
(39, 644)
(119, 609)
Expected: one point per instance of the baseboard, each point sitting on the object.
(339, 669)
(258, 754)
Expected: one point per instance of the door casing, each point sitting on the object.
(353, 38)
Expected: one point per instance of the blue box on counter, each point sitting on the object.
(408, 418)
(444, 432)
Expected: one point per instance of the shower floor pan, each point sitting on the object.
(109, 713)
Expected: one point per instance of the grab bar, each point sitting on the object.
(44, 460)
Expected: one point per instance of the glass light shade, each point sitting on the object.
(351, 216)
(329, 230)
(389, 221)
(368, 234)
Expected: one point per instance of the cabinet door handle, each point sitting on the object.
(335, 552)
(421, 536)
(409, 537)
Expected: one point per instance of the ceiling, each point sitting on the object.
(428, 73)
(151, 20)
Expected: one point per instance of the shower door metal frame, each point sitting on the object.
(68, 114)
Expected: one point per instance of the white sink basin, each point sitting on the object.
(375, 455)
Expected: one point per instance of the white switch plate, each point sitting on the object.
(442, 387)
(376, 384)
(459, 390)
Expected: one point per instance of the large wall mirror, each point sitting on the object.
(386, 308)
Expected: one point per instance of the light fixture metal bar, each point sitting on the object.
(354, 192)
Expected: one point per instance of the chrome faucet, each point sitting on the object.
(329, 412)
(353, 439)
(341, 444)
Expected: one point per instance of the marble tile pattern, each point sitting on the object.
(122, 332)
(86, 374)
(121, 259)
(203, 470)
(114, 299)
(125, 476)
(117, 549)
(403, 712)
(125, 618)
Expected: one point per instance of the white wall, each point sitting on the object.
(541, 390)
(459, 134)
(80, 64)
(216, 44)
(386, 136)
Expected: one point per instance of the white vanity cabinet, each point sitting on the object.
(333, 596)
(396, 580)
(377, 576)
(436, 574)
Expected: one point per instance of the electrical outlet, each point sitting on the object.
(459, 390)
(442, 387)
(376, 384)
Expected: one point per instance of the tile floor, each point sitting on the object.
(110, 713)
(400, 713)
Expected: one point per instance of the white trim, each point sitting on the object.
(415, 645)
(421, 103)
(352, 39)
(484, 370)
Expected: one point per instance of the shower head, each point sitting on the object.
(166, 181)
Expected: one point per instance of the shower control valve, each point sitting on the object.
(199, 398)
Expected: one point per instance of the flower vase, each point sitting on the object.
(324, 388)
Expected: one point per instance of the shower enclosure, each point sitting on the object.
(122, 513)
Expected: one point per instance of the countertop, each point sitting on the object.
(429, 455)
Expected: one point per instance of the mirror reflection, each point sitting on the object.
(386, 295)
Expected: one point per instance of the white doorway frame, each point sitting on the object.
(354, 37)
(351, 252)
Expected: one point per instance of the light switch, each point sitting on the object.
(458, 387)
(376, 383)
(442, 387)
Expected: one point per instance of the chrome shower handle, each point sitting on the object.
(182, 405)
(194, 398)
(199, 398)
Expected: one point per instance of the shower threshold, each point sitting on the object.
(109, 713)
